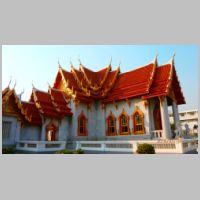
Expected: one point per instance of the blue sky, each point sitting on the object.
(39, 63)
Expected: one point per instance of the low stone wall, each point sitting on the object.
(178, 146)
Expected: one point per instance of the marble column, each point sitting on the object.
(165, 118)
(176, 119)
(43, 130)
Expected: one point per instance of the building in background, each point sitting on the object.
(188, 121)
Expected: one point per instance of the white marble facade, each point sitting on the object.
(96, 115)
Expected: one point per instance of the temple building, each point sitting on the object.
(84, 105)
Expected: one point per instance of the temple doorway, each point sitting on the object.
(157, 116)
(51, 132)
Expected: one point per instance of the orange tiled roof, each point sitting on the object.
(87, 84)
(147, 82)
(32, 113)
(59, 101)
(131, 84)
(164, 80)
(51, 103)
(27, 109)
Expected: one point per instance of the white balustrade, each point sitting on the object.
(157, 133)
(40, 146)
(160, 146)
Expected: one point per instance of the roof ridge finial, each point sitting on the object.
(79, 60)
(22, 92)
(70, 61)
(155, 61)
(119, 63)
(173, 57)
(9, 81)
(111, 60)
(48, 84)
(33, 87)
(15, 84)
(59, 65)
(174, 53)
(20, 95)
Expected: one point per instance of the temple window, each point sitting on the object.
(51, 132)
(82, 125)
(138, 122)
(124, 123)
(111, 125)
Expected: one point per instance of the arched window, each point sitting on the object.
(138, 122)
(111, 125)
(51, 132)
(124, 124)
(82, 125)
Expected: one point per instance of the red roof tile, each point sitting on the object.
(164, 80)
(44, 104)
(160, 82)
(147, 82)
(131, 84)
(59, 101)
(32, 113)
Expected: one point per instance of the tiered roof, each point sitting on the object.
(85, 84)
(148, 81)
(51, 104)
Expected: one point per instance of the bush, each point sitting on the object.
(145, 149)
(79, 151)
(8, 150)
(64, 152)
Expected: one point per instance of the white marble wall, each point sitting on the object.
(30, 133)
(97, 116)
(14, 131)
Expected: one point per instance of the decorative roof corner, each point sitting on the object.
(155, 60)
(9, 82)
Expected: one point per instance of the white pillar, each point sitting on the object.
(151, 117)
(43, 133)
(165, 118)
(147, 118)
(176, 118)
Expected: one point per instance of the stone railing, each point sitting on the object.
(161, 146)
(40, 146)
(157, 133)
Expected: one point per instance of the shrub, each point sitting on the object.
(8, 150)
(145, 149)
(64, 151)
(79, 151)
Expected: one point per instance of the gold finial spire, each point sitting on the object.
(173, 57)
(15, 84)
(48, 84)
(59, 65)
(156, 58)
(110, 60)
(22, 92)
(119, 63)
(70, 61)
(10, 81)
(33, 87)
(79, 60)
(174, 54)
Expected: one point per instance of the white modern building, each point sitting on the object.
(188, 121)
